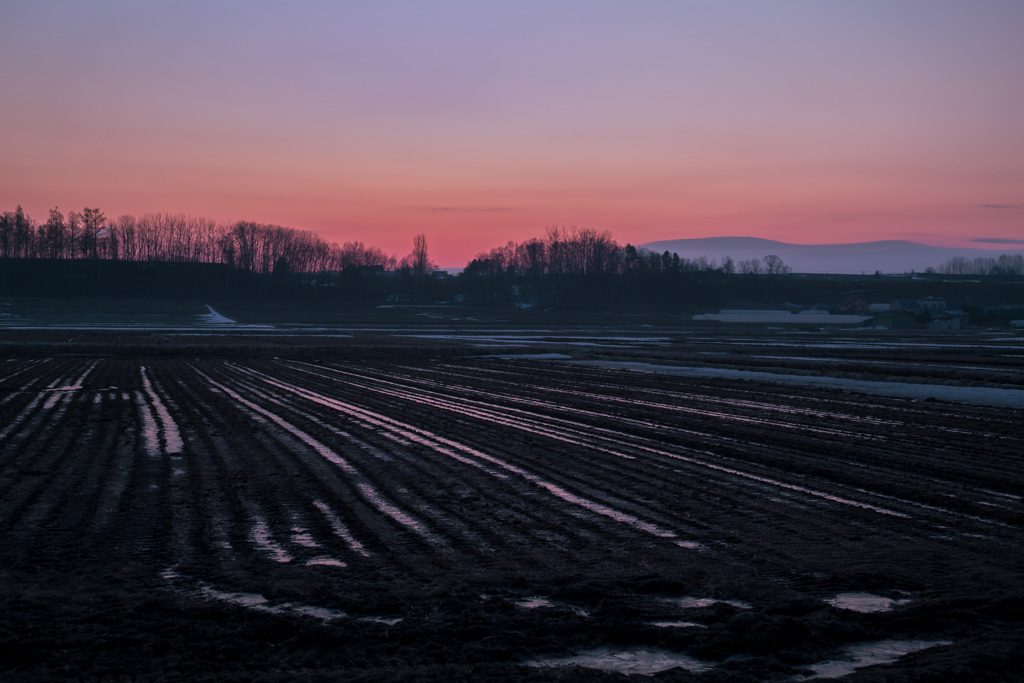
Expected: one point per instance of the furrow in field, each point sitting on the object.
(633, 444)
(238, 501)
(164, 432)
(573, 437)
(832, 456)
(900, 479)
(29, 420)
(621, 483)
(929, 461)
(300, 477)
(231, 521)
(417, 484)
(862, 411)
(16, 388)
(370, 493)
(89, 492)
(605, 398)
(766, 477)
(36, 444)
(213, 485)
(62, 471)
(450, 446)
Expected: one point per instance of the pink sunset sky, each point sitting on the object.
(477, 123)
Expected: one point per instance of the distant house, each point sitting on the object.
(903, 305)
(854, 304)
(894, 320)
(930, 306)
(945, 323)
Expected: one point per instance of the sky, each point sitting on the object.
(476, 123)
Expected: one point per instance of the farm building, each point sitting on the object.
(854, 303)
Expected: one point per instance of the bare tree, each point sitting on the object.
(750, 266)
(93, 221)
(419, 261)
(53, 235)
(773, 265)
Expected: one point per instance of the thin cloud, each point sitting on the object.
(997, 240)
(1001, 206)
(464, 209)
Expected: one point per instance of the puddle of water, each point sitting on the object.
(339, 529)
(263, 540)
(253, 601)
(864, 602)
(371, 494)
(52, 401)
(325, 562)
(534, 602)
(699, 603)
(257, 602)
(381, 620)
(868, 654)
(150, 433)
(302, 537)
(690, 545)
(628, 662)
(172, 437)
(677, 624)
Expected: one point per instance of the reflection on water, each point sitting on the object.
(534, 602)
(698, 603)
(339, 529)
(868, 654)
(690, 545)
(677, 624)
(864, 602)
(628, 662)
(171, 435)
(302, 537)
(381, 620)
(264, 540)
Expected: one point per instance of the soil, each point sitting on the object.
(178, 517)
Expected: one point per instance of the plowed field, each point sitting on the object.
(475, 518)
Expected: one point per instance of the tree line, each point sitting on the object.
(576, 251)
(84, 253)
(179, 238)
(263, 248)
(1001, 266)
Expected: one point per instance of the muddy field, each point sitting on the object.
(497, 519)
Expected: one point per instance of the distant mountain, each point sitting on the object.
(888, 256)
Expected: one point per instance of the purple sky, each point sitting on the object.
(476, 123)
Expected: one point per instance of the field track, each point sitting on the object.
(218, 517)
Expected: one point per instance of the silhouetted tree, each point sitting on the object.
(92, 223)
(418, 262)
(54, 235)
(773, 265)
